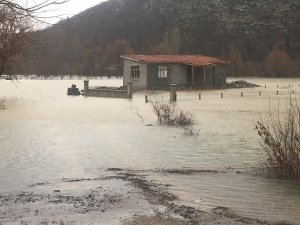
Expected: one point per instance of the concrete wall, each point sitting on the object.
(209, 77)
(176, 74)
(215, 78)
(222, 71)
(138, 83)
(107, 93)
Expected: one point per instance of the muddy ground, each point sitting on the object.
(120, 197)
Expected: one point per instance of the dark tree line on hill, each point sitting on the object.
(259, 38)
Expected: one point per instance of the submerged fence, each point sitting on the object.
(244, 92)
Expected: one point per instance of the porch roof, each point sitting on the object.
(192, 60)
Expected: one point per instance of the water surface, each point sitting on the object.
(46, 135)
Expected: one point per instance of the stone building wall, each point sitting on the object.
(138, 83)
(176, 75)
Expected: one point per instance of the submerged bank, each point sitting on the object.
(119, 197)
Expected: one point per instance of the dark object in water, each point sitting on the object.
(73, 90)
(241, 84)
(2, 104)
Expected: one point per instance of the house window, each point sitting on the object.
(135, 72)
(162, 72)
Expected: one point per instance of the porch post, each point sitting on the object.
(204, 76)
(214, 77)
(193, 77)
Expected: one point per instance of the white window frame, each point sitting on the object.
(135, 72)
(162, 72)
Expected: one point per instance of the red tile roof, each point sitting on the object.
(193, 60)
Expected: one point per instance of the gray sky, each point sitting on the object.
(68, 9)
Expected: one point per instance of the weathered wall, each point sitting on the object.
(222, 71)
(210, 79)
(176, 75)
(214, 79)
(138, 83)
(107, 93)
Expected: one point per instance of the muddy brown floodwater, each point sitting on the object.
(55, 150)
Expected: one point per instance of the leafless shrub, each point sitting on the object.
(191, 131)
(280, 136)
(2, 103)
(170, 115)
(14, 37)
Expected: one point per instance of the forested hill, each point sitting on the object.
(253, 34)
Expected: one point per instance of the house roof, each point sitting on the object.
(192, 60)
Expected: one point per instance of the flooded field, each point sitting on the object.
(46, 136)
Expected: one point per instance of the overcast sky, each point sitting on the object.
(68, 9)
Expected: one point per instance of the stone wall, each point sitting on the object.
(214, 78)
(138, 83)
(176, 74)
(106, 93)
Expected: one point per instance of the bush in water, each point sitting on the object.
(280, 136)
(169, 114)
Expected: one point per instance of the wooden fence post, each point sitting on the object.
(173, 95)
(86, 87)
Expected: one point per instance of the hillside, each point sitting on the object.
(252, 34)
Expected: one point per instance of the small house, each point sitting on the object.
(159, 71)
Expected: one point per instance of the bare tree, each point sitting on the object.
(30, 11)
(15, 26)
(14, 36)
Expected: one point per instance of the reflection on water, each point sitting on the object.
(47, 135)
